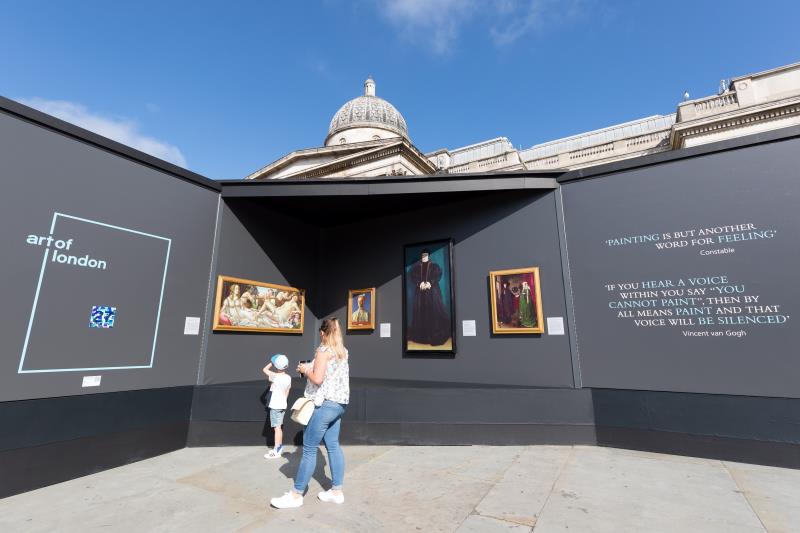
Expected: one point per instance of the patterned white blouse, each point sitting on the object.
(336, 385)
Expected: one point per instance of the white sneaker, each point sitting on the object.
(272, 454)
(287, 501)
(329, 497)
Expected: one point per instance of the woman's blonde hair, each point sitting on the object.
(333, 337)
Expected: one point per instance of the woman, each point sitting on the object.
(230, 311)
(328, 383)
(526, 317)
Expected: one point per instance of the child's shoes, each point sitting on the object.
(274, 453)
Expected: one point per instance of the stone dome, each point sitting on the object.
(367, 112)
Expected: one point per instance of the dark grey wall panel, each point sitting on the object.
(738, 417)
(270, 247)
(752, 185)
(406, 412)
(56, 439)
(48, 420)
(738, 428)
(492, 231)
(124, 212)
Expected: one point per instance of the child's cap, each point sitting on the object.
(280, 361)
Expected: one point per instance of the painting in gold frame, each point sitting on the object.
(361, 309)
(247, 305)
(516, 301)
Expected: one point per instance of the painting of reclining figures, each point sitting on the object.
(247, 305)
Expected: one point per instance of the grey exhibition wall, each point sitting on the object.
(265, 246)
(153, 233)
(720, 230)
(492, 231)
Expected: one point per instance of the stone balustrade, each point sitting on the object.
(704, 107)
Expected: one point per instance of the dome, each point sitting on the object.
(367, 112)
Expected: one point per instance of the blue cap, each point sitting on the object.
(280, 361)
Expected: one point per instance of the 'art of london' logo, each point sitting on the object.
(60, 252)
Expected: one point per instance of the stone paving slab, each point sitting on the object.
(774, 494)
(449, 488)
(602, 490)
(521, 494)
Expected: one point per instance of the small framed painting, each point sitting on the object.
(516, 301)
(361, 309)
(247, 305)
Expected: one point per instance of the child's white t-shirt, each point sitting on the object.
(280, 389)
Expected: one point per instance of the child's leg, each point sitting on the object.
(278, 437)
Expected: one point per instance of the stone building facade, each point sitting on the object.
(369, 137)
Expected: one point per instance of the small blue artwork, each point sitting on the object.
(102, 316)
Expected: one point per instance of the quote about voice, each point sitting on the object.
(695, 301)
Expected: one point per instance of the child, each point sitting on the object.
(281, 383)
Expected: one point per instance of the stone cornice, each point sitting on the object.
(733, 120)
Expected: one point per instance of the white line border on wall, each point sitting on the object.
(20, 370)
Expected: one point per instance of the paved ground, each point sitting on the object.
(460, 488)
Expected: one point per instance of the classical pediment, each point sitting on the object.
(373, 158)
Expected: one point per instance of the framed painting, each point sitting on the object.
(516, 301)
(247, 305)
(428, 298)
(361, 309)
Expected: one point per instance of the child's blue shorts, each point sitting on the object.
(276, 417)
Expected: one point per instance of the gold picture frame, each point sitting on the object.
(363, 308)
(516, 301)
(248, 305)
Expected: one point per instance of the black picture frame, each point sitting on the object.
(440, 249)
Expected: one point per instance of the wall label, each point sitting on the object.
(192, 325)
(468, 328)
(91, 381)
(555, 325)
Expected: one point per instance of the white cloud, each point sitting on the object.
(434, 21)
(121, 130)
(518, 20)
(438, 23)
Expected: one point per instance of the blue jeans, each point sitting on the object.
(325, 424)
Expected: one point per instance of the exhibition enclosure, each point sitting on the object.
(646, 303)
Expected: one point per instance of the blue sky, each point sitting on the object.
(224, 88)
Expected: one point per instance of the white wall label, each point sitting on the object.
(386, 329)
(555, 325)
(192, 325)
(91, 381)
(468, 328)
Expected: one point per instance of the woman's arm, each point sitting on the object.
(317, 373)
